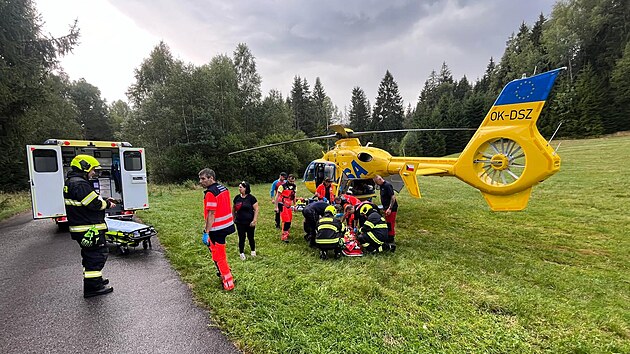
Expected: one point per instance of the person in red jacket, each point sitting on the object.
(217, 211)
(286, 196)
(325, 191)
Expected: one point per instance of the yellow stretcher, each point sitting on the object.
(125, 234)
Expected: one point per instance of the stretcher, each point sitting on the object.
(125, 234)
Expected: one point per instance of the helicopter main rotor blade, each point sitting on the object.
(283, 143)
(341, 131)
(354, 134)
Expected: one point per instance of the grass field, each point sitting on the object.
(554, 278)
(13, 203)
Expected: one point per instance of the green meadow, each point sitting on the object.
(553, 278)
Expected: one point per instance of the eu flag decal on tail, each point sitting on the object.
(530, 89)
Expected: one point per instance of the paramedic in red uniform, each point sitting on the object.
(325, 190)
(286, 196)
(86, 218)
(273, 192)
(217, 211)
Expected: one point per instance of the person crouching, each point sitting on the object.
(373, 233)
(330, 232)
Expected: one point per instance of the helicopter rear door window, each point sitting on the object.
(329, 172)
(45, 160)
(132, 161)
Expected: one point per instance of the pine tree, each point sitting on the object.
(589, 105)
(93, 114)
(248, 79)
(388, 112)
(27, 57)
(302, 106)
(322, 108)
(620, 83)
(359, 110)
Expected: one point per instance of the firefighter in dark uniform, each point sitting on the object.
(330, 232)
(312, 213)
(85, 210)
(373, 232)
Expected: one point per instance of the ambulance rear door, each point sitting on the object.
(134, 178)
(46, 178)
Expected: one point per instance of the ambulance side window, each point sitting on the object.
(45, 160)
(132, 161)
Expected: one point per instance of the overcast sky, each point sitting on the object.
(346, 43)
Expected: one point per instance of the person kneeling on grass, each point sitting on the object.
(330, 232)
(373, 232)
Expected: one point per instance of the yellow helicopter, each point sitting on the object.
(504, 159)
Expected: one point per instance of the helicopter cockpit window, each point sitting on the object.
(364, 157)
(309, 174)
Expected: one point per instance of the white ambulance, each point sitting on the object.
(122, 177)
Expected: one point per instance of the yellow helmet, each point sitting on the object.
(330, 209)
(85, 163)
(365, 208)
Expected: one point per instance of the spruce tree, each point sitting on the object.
(388, 112)
(620, 83)
(248, 79)
(359, 110)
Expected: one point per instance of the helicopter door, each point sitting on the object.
(45, 173)
(319, 173)
(134, 179)
(324, 170)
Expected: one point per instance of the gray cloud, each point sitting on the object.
(346, 43)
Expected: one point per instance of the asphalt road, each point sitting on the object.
(42, 309)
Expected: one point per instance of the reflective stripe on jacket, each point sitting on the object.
(84, 207)
(375, 227)
(329, 230)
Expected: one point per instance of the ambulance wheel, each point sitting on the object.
(123, 250)
(63, 227)
(145, 244)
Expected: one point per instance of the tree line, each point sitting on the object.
(190, 116)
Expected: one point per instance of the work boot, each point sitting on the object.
(105, 281)
(392, 247)
(96, 292)
(228, 281)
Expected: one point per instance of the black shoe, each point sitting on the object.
(392, 247)
(102, 291)
(105, 281)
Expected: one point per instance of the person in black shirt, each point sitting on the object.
(245, 209)
(390, 206)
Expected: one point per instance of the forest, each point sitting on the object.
(189, 116)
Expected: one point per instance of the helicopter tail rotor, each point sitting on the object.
(507, 156)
